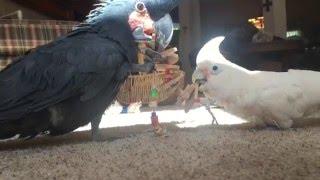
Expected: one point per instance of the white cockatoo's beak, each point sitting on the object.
(198, 77)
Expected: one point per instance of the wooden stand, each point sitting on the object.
(141, 45)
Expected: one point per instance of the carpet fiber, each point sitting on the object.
(200, 153)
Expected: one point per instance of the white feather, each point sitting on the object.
(211, 50)
(274, 98)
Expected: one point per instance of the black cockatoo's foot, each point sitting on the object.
(149, 66)
(150, 59)
(97, 137)
(152, 55)
(95, 132)
(146, 67)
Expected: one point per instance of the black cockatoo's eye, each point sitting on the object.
(214, 68)
(140, 6)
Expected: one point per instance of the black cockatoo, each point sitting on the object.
(71, 81)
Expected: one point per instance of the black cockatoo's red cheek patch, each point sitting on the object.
(140, 18)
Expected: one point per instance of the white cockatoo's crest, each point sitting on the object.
(209, 58)
(210, 51)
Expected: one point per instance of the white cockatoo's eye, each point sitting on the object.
(214, 68)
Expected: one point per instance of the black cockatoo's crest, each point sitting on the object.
(110, 19)
(109, 8)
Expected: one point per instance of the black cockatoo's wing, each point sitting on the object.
(79, 65)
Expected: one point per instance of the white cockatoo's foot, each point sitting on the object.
(284, 123)
(257, 125)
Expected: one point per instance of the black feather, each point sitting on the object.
(70, 82)
(66, 73)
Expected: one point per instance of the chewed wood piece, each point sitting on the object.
(164, 67)
(170, 56)
(169, 52)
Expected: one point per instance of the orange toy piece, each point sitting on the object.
(158, 130)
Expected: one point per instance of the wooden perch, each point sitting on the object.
(140, 54)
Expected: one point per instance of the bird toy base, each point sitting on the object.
(157, 128)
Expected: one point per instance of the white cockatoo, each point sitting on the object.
(265, 98)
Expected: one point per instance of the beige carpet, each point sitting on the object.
(201, 153)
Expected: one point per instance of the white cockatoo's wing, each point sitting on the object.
(288, 97)
(279, 105)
